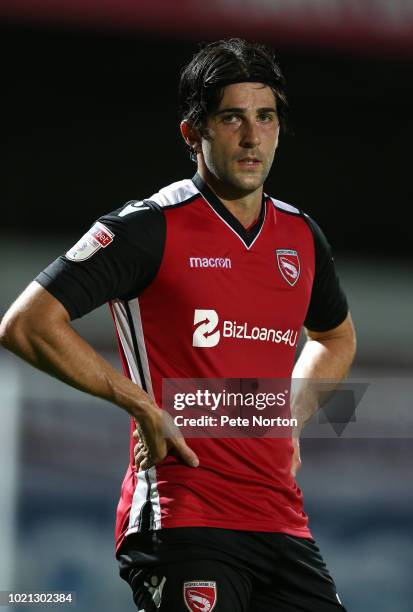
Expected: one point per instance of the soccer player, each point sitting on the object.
(191, 274)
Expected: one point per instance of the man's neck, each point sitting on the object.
(245, 208)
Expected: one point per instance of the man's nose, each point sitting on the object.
(250, 136)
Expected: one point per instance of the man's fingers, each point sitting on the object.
(136, 449)
(179, 447)
(296, 465)
(145, 464)
(175, 443)
(140, 456)
(296, 460)
(143, 460)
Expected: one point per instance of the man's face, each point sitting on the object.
(241, 137)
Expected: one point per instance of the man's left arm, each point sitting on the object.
(326, 355)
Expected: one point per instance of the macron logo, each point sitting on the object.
(206, 333)
(210, 262)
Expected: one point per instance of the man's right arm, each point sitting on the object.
(37, 328)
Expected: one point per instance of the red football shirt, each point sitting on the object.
(187, 286)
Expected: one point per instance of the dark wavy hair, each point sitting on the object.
(221, 63)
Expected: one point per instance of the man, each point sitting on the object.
(217, 524)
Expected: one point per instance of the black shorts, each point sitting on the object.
(203, 569)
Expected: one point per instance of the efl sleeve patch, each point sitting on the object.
(130, 252)
(98, 237)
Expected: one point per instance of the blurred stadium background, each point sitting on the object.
(89, 121)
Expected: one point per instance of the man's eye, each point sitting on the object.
(230, 118)
(266, 117)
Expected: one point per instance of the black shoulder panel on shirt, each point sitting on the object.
(328, 304)
(120, 269)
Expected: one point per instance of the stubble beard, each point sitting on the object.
(246, 183)
(236, 182)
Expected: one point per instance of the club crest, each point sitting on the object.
(200, 595)
(289, 265)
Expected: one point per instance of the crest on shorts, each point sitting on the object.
(200, 595)
(289, 265)
(98, 237)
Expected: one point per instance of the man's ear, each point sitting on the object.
(191, 136)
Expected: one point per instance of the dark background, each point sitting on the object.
(90, 120)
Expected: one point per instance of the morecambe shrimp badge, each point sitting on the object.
(200, 595)
(289, 265)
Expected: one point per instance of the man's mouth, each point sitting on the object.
(249, 162)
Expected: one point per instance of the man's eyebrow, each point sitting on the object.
(265, 109)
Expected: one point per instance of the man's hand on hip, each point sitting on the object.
(157, 436)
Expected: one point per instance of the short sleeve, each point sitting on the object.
(117, 258)
(328, 304)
